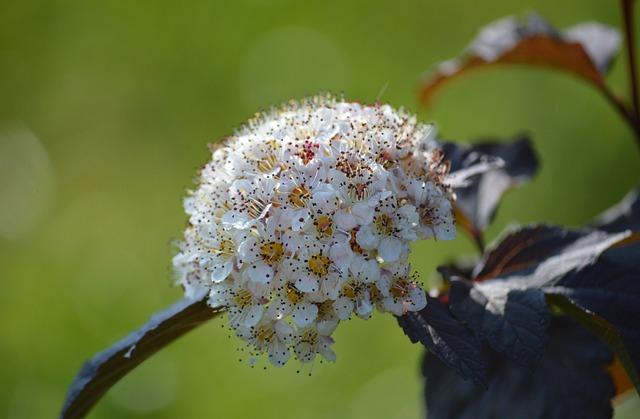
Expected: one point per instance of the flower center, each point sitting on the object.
(298, 196)
(426, 214)
(319, 264)
(399, 288)
(255, 207)
(375, 293)
(385, 160)
(268, 163)
(226, 249)
(264, 334)
(271, 252)
(324, 226)
(243, 298)
(325, 309)
(307, 151)
(384, 224)
(293, 294)
(347, 167)
(358, 190)
(350, 289)
(309, 336)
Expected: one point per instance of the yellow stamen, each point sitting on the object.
(319, 264)
(243, 298)
(399, 287)
(309, 336)
(324, 226)
(299, 196)
(271, 252)
(226, 249)
(264, 334)
(358, 191)
(267, 164)
(293, 294)
(350, 289)
(384, 224)
(255, 207)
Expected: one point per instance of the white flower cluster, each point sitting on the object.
(304, 218)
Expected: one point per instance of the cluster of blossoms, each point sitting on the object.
(304, 217)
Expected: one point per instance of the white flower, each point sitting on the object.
(400, 292)
(304, 218)
(311, 341)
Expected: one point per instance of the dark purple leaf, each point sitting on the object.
(596, 271)
(478, 199)
(107, 367)
(610, 289)
(569, 382)
(512, 320)
(592, 275)
(541, 254)
(624, 216)
(447, 338)
(523, 249)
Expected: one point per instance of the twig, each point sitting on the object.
(626, 113)
(627, 17)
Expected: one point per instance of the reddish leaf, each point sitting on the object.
(585, 50)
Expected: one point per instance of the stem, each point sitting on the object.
(627, 16)
(627, 114)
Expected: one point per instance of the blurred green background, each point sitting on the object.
(105, 112)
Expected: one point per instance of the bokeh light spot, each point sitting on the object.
(26, 180)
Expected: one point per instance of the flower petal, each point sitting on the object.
(389, 249)
(344, 307)
(220, 272)
(278, 353)
(306, 283)
(304, 314)
(341, 255)
(259, 272)
(366, 238)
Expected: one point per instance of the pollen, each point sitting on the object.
(309, 336)
(255, 207)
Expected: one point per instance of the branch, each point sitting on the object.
(627, 16)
